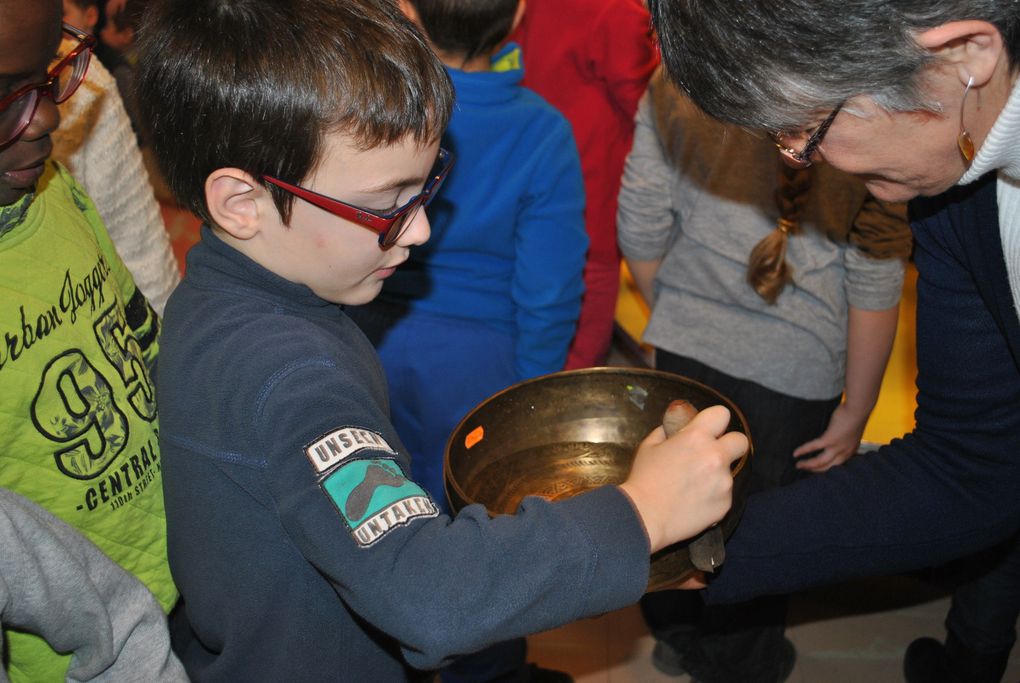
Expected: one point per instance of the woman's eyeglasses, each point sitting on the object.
(390, 226)
(802, 156)
(18, 108)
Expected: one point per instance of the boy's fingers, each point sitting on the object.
(734, 444)
(694, 581)
(656, 436)
(714, 420)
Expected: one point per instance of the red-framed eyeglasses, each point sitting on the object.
(18, 108)
(390, 226)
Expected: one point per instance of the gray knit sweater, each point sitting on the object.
(703, 216)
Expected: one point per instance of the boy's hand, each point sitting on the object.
(694, 581)
(682, 485)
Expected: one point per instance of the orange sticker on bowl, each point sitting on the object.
(476, 435)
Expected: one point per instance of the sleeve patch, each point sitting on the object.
(334, 447)
(374, 498)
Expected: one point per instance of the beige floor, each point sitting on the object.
(850, 633)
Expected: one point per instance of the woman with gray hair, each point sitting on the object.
(918, 98)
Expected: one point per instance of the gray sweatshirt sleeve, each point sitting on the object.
(646, 215)
(879, 244)
(56, 584)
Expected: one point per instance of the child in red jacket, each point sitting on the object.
(592, 60)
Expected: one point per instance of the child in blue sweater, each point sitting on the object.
(494, 296)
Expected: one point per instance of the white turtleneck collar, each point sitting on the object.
(1001, 152)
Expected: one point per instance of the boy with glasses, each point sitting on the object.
(306, 136)
(77, 410)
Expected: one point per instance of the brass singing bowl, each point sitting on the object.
(559, 435)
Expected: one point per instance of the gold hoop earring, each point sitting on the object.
(963, 141)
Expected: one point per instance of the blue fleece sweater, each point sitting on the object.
(508, 240)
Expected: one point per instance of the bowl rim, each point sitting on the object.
(735, 413)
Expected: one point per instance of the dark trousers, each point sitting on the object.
(738, 643)
(981, 624)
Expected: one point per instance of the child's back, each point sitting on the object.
(493, 297)
(508, 242)
(592, 60)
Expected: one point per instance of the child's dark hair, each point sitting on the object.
(257, 84)
(466, 28)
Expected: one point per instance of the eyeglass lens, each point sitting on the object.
(398, 226)
(436, 178)
(19, 113)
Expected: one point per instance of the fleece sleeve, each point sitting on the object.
(550, 245)
(646, 216)
(439, 586)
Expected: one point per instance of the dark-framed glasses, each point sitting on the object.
(800, 153)
(18, 108)
(390, 226)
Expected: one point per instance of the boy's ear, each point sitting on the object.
(409, 11)
(91, 18)
(235, 202)
(519, 14)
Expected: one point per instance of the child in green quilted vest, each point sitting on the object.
(78, 342)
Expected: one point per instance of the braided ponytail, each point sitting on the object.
(767, 270)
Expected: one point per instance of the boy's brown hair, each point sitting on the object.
(258, 84)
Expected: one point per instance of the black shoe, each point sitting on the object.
(923, 661)
(929, 661)
(667, 660)
(787, 660)
(536, 674)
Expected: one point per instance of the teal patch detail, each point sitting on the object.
(374, 497)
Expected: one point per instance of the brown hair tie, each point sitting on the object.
(767, 270)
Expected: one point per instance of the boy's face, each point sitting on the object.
(29, 36)
(337, 259)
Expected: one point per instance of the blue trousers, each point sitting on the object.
(438, 368)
